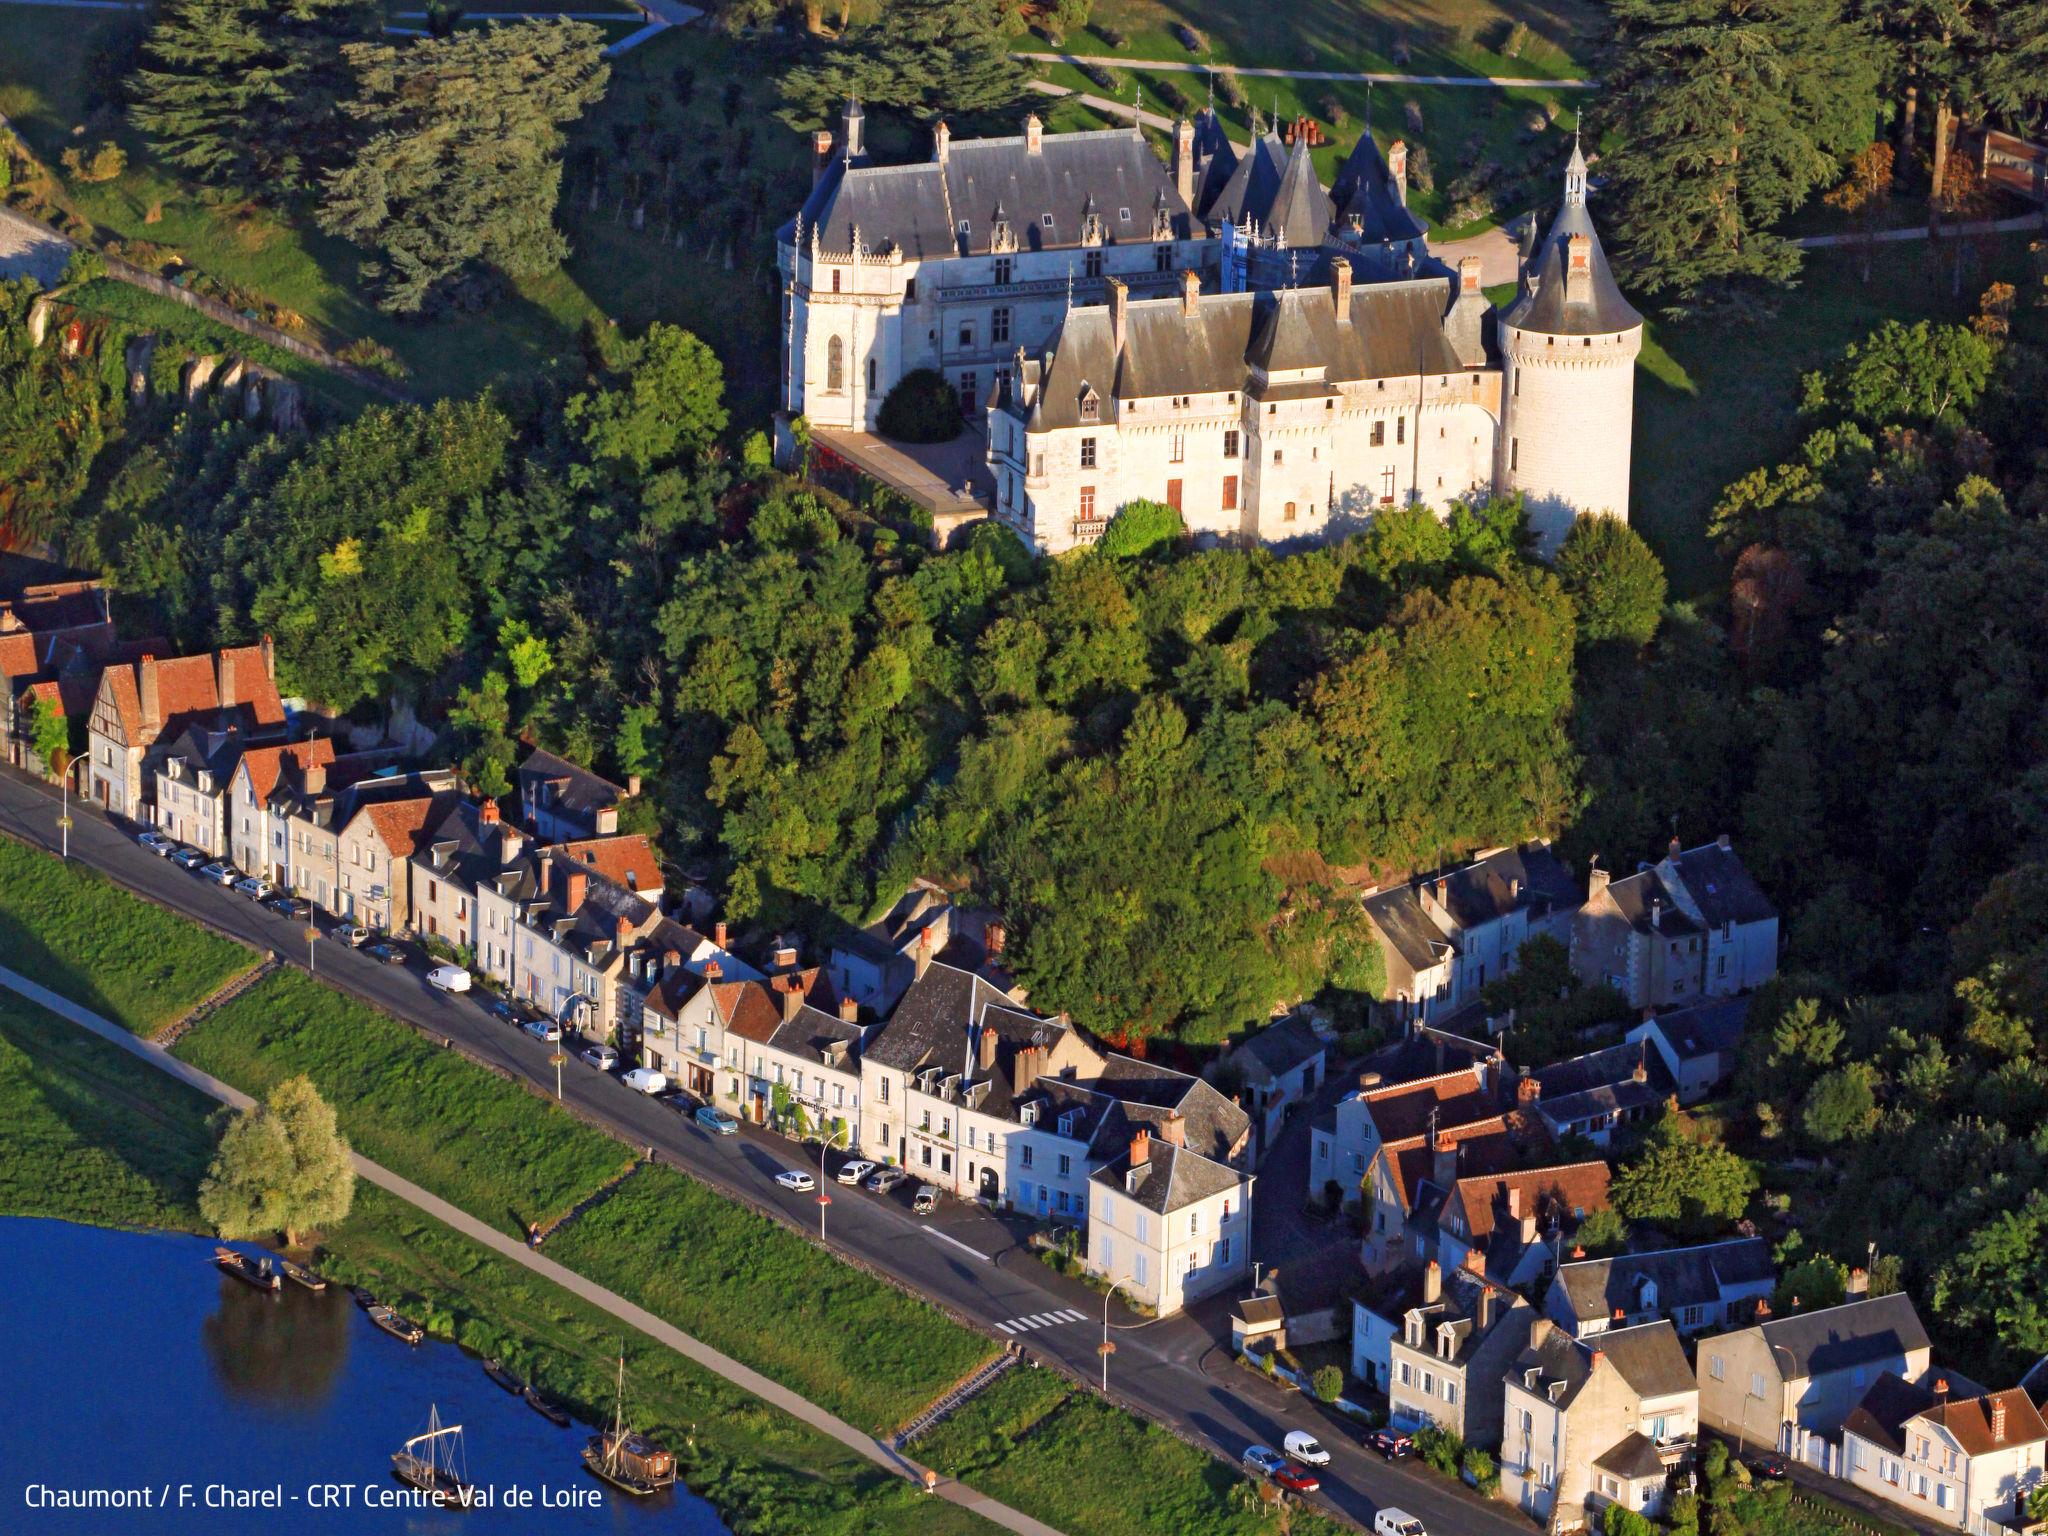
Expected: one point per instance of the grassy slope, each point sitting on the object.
(757, 1291)
(471, 1137)
(1715, 400)
(81, 935)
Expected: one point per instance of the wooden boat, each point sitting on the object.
(258, 1273)
(398, 1327)
(365, 1297)
(301, 1276)
(432, 1463)
(630, 1462)
(556, 1416)
(504, 1378)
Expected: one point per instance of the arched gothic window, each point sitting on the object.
(835, 364)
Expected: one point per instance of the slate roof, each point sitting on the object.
(895, 932)
(1253, 184)
(1884, 1409)
(1684, 1277)
(1364, 191)
(1721, 887)
(1649, 1357)
(1706, 1029)
(1172, 1179)
(812, 1032)
(1282, 1047)
(1399, 917)
(1542, 307)
(1043, 197)
(1258, 1310)
(1636, 895)
(929, 1025)
(1854, 1333)
(1508, 880)
(577, 790)
(213, 747)
(1427, 1051)
(1215, 161)
(1632, 1457)
(1147, 1094)
(1390, 331)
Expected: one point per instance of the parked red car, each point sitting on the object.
(1297, 1479)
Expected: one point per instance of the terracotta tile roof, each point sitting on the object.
(628, 859)
(1971, 1421)
(398, 823)
(1456, 1098)
(753, 1009)
(1485, 1147)
(1569, 1187)
(188, 685)
(266, 763)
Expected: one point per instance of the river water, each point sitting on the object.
(130, 1366)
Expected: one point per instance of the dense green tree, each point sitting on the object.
(243, 94)
(1614, 579)
(282, 1166)
(922, 58)
(1996, 1286)
(668, 404)
(457, 164)
(49, 734)
(1689, 1186)
(1602, 1232)
(1140, 526)
(1843, 1104)
(1911, 375)
(1726, 115)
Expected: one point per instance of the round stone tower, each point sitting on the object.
(1568, 347)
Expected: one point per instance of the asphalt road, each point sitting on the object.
(967, 1260)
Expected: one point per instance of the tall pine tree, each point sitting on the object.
(1727, 114)
(922, 58)
(460, 163)
(242, 94)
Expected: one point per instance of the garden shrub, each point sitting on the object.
(922, 408)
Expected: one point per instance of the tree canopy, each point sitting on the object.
(282, 1166)
(924, 59)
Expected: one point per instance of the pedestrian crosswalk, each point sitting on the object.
(1042, 1320)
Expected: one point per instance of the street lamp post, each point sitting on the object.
(312, 937)
(556, 1061)
(64, 820)
(1106, 1348)
(825, 1146)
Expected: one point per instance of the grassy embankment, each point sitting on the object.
(83, 936)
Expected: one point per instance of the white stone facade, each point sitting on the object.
(1570, 408)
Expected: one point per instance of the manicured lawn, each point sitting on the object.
(91, 1133)
(1035, 1441)
(79, 934)
(1441, 36)
(750, 1287)
(468, 1135)
(1715, 399)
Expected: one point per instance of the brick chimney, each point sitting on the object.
(575, 886)
(10, 621)
(1468, 275)
(1190, 292)
(1432, 1283)
(1025, 1071)
(224, 674)
(942, 142)
(152, 696)
(1034, 135)
(985, 1051)
(924, 953)
(849, 1011)
(671, 959)
(1175, 1128)
(1184, 161)
(269, 648)
(792, 997)
(713, 971)
(718, 934)
(1119, 313)
(1998, 1418)
(1527, 1089)
(821, 154)
(1443, 1169)
(993, 938)
(1397, 167)
(1340, 287)
(1578, 272)
(1141, 1148)
(488, 813)
(1598, 1359)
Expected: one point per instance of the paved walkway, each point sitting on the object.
(2016, 225)
(771, 1392)
(1116, 61)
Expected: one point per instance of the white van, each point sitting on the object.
(1395, 1522)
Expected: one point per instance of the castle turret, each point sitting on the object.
(1568, 349)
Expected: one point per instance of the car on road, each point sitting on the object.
(794, 1179)
(188, 858)
(1397, 1522)
(1390, 1443)
(855, 1171)
(504, 1008)
(351, 935)
(1305, 1448)
(289, 906)
(255, 887)
(646, 1080)
(219, 873)
(390, 954)
(886, 1179)
(1263, 1459)
(926, 1202)
(716, 1121)
(1765, 1464)
(156, 843)
(544, 1029)
(602, 1057)
(1296, 1478)
(449, 978)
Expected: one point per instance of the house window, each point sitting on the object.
(1223, 1251)
(926, 1124)
(1087, 453)
(1288, 515)
(1379, 434)
(1756, 1384)
(885, 1081)
(835, 281)
(1087, 501)
(910, 290)
(1450, 1390)
(1162, 258)
(945, 1162)
(1717, 1368)
(966, 335)
(1194, 1223)
(927, 1151)
(1230, 445)
(1279, 455)
(1401, 1372)
(835, 363)
(1401, 429)
(1179, 451)
(999, 325)
(1002, 272)
(1387, 486)
(1066, 1165)
(1191, 1261)
(1026, 1159)
(1144, 1228)
(1091, 264)
(1514, 453)
(1230, 493)
(871, 375)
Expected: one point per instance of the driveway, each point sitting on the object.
(970, 1262)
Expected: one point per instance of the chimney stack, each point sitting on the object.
(1468, 275)
(1175, 1129)
(1034, 134)
(1725, 843)
(1941, 1389)
(1141, 1148)
(1673, 850)
(671, 959)
(1444, 1164)
(942, 142)
(488, 813)
(224, 668)
(993, 938)
(1540, 1331)
(632, 786)
(1190, 292)
(985, 1051)
(1483, 1312)
(269, 657)
(849, 1011)
(1026, 1069)
(1596, 878)
(1998, 1418)
(1119, 303)
(713, 971)
(1432, 1283)
(821, 154)
(1367, 1081)
(924, 953)
(152, 696)
(1859, 1282)
(1340, 287)
(575, 886)
(1578, 274)
(1184, 161)
(1514, 1202)
(785, 957)
(792, 997)
(1397, 167)
(718, 934)
(511, 841)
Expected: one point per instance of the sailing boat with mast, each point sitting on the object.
(630, 1462)
(432, 1463)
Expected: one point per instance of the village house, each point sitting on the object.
(1699, 1045)
(736, 1038)
(1444, 936)
(1343, 1141)
(875, 965)
(348, 838)
(193, 773)
(1597, 1094)
(1691, 927)
(1455, 1347)
(1709, 1285)
(1791, 1382)
(560, 801)
(1586, 1424)
(1281, 1067)
(259, 841)
(151, 702)
(1519, 1223)
(1167, 1223)
(1952, 1457)
(55, 637)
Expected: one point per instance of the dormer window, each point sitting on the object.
(1091, 405)
(1067, 1123)
(1091, 229)
(1045, 221)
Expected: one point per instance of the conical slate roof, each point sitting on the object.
(1542, 307)
(1301, 214)
(1364, 190)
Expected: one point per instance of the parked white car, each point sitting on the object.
(157, 844)
(353, 936)
(220, 874)
(646, 1080)
(544, 1029)
(1305, 1448)
(802, 1183)
(255, 887)
(1396, 1522)
(602, 1057)
(449, 978)
(855, 1171)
